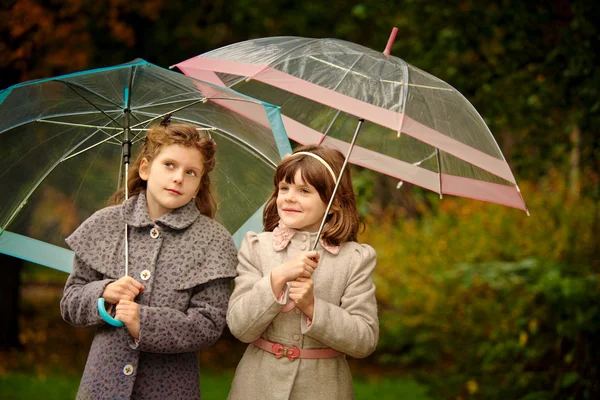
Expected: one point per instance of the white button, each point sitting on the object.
(145, 275)
(297, 311)
(296, 337)
(303, 247)
(128, 369)
(303, 237)
(154, 233)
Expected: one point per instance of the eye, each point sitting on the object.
(169, 164)
(305, 191)
(283, 188)
(192, 173)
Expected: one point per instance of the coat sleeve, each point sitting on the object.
(94, 243)
(168, 331)
(253, 305)
(79, 304)
(353, 326)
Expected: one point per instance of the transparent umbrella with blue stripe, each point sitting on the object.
(65, 144)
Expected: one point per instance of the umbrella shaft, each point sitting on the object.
(337, 184)
(126, 239)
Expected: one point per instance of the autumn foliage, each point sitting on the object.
(481, 300)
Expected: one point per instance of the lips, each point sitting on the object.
(174, 191)
(291, 210)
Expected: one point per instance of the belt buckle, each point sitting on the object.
(290, 352)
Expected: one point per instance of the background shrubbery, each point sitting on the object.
(481, 300)
(476, 300)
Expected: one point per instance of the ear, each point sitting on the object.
(144, 170)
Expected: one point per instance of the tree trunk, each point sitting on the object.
(10, 286)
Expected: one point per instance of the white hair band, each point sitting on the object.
(319, 159)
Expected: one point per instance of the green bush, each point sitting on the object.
(485, 302)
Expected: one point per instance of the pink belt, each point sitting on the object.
(293, 352)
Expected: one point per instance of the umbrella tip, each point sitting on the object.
(388, 47)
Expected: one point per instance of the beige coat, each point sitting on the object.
(345, 319)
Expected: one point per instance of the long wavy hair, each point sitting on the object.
(342, 222)
(185, 135)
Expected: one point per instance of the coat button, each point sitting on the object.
(303, 237)
(128, 369)
(297, 311)
(296, 337)
(303, 246)
(154, 233)
(145, 275)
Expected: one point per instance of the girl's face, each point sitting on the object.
(299, 205)
(173, 178)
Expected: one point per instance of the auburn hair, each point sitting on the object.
(186, 135)
(342, 222)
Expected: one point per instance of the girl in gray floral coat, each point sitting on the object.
(303, 311)
(174, 300)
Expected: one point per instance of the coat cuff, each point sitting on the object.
(96, 290)
(308, 323)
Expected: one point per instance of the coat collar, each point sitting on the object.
(135, 213)
(282, 235)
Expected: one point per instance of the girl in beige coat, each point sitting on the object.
(303, 311)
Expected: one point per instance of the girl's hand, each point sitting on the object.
(125, 288)
(129, 313)
(301, 292)
(301, 266)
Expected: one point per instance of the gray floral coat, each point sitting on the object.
(185, 264)
(345, 319)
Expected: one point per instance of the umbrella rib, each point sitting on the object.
(71, 85)
(46, 121)
(337, 114)
(65, 158)
(25, 122)
(277, 61)
(163, 114)
(99, 128)
(166, 103)
(281, 57)
(227, 134)
(137, 111)
(44, 176)
(439, 161)
(382, 80)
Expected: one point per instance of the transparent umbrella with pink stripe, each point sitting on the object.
(386, 114)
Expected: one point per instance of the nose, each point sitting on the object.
(290, 196)
(178, 176)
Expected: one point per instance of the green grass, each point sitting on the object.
(25, 387)
(214, 387)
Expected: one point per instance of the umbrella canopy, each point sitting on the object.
(63, 141)
(417, 128)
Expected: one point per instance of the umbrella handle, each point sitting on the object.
(106, 316)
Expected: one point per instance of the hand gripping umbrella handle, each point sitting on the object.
(106, 316)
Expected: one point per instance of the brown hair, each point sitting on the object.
(185, 135)
(342, 224)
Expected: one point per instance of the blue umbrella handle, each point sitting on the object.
(106, 316)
